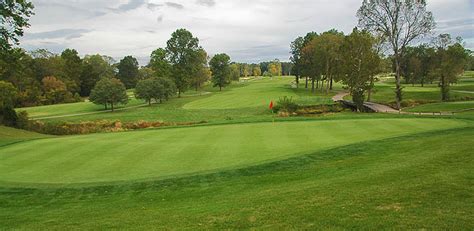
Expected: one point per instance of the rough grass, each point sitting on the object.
(170, 152)
(420, 181)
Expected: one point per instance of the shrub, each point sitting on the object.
(22, 120)
(286, 104)
(8, 116)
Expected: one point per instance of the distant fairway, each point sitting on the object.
(444, 107)
(171, 152)
(258, 93)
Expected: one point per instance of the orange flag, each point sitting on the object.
(271, 105)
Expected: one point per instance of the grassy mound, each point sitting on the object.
(420, 181)
(11, 135)
(172, 152)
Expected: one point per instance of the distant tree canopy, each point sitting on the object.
(155, 89)
(128, 71)
(8, 94)
(185, 56)
(221, 70)
(109, 91)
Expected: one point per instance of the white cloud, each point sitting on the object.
(248, 30)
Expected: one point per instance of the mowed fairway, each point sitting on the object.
(259, 93)
(155, 154)
(415, 182)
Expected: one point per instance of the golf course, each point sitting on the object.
(236, 115)
(256, 170)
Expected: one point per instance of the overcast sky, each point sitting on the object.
(247, 30)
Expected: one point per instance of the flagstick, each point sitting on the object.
(273, 117)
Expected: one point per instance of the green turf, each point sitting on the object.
(421, 182)
(171, 152)
(252, 103)
(385, 91)
(444, 107)
(258, 94)
(73, 108)
(10, 135)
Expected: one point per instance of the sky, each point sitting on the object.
(247, 30)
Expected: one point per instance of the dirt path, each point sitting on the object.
(340, 96)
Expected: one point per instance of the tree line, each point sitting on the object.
(357, 58)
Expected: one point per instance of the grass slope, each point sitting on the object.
(444, 107)
(420, 181)
(11, 135)
(257, 94)
(240, 101)
(74, 108)
(171, 152)
(385, 91)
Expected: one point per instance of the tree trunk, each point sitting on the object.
(106, 106)
(330, 87)
(297, 81)
(327, 86)
(398, 83)
(179, 93)
(149, 102)
(312, 85)
(444, 89)
(220, 88)
(112, 106)
(306, 83)
(369, 92)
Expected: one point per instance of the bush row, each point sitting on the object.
(66, 128)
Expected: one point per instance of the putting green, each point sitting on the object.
(100, 158)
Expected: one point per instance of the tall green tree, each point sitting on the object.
(159, 63)
(14, 17)
(8, 94)
(128, 71)
(183, 53)
(359, 63)
(149, 89)
(95, 67)
(72, 68)
(307, 64)
(311, 60)
(451, 62)
(203, 73)
(296, 52)
(401, 22)
(220, 68)
(109, 91)
(169, 88)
